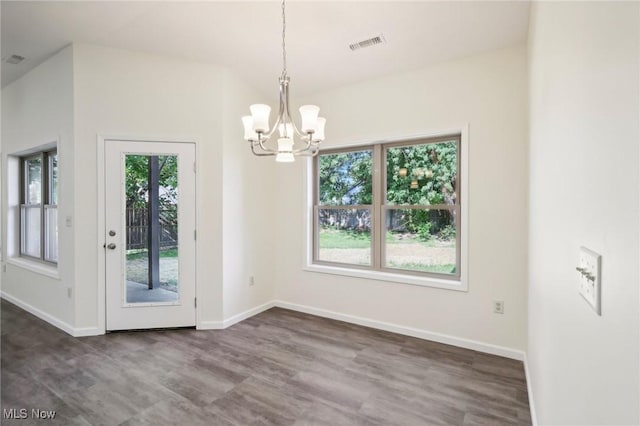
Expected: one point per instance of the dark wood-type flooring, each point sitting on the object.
(278, 367)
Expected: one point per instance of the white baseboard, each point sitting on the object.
(64, 326)
(87, 331)
(534, 418)
(210, 325)
(408, 331)
(228, 322)
(247, 314)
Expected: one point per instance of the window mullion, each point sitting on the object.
(376, 228)
(44, 179)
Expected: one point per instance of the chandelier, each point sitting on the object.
(256, 126)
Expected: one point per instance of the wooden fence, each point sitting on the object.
(137, 228)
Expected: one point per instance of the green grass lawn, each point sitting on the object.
(353, 242)
(138, 268)
(143, 254)
(337, 239)
(412, 266)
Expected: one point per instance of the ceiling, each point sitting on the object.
(246, 36)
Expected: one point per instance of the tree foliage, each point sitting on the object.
(422, 174)
(345, 178)
(433, 166)
(137, 180)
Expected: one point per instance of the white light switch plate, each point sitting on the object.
(589, 271)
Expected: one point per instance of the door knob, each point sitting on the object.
(112, 233)
(111, 246)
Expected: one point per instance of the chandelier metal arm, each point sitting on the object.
(305, 148)
(266, 153)
(261, 143)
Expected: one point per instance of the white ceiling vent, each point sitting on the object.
(14, 59)
(368, 42)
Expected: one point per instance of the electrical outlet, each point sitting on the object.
(498, 307)
(252, 280)
(589, 271)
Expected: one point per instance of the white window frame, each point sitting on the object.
(460, 283)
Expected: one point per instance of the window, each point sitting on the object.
(39, 206)
(390, 208)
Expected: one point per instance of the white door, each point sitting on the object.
(150, 234)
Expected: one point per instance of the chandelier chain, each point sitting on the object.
(284, 50)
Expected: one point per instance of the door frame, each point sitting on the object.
(101, 277)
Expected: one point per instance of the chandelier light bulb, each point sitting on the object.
(318, 136)
(309, 114)
(249, 133)
(260, 114)
(285, 150)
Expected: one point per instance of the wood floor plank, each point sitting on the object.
(277, 368)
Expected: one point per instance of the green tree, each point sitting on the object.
(432, 166)
(137, 180)
(422, 174)
(345, 178)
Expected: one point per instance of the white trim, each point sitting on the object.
(87, 331)
(388, 276)
(459, 285)
(228, 322)
(35, 266)
(210, 325)
(101, 271)
(48, 146)
(338, 143)
(408, 331)
(62, 325)
(532, 409)
(58, 323)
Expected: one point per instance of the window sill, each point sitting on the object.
(34, 266)
(457, 285)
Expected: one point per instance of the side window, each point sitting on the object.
(38, 208)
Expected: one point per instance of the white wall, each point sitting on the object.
(584, 110)
(489, 92)
(37, 110)
(248, 214)
(141, 95)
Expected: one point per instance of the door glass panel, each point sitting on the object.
(151, 229)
